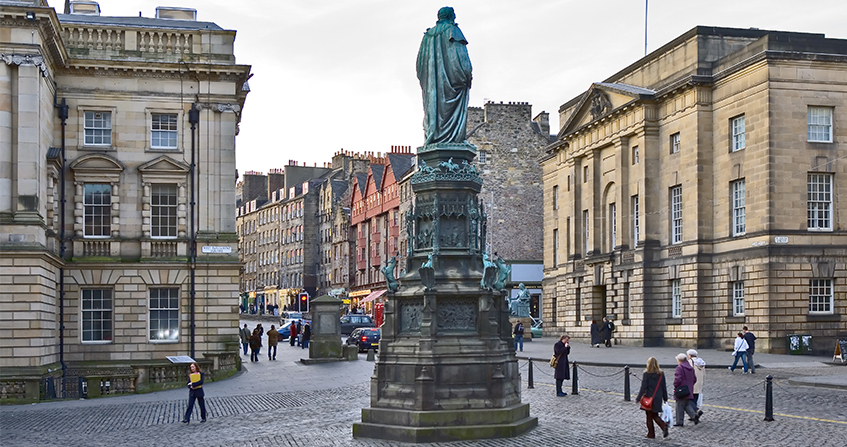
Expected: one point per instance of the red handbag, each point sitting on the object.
(647, 402)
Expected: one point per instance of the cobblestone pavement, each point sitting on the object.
(317, 405)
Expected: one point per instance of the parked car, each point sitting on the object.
(355, 321)
(536, 329)
(285, 327)
(365, 338)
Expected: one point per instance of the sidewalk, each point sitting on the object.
(541, 349)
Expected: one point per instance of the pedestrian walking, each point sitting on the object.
(307, 335)
(261, 333)
(653, 386)
(518, 333)
(293, 334)
(244, 335)
(699, 367)
(195, 392)
(740, 352)
(273, 339)
(683, 383)
(255, 344)
(606, 330)
(751, 348)
(299, 332)
(561, 350)
(595, 334)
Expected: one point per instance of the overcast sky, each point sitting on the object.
(333, 74)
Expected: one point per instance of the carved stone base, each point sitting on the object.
(445, 425)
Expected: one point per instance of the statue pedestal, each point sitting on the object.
(447, 369)
(527, 326)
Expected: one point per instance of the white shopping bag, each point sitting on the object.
(700, 401)
(667, 413)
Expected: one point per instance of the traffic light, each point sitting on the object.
(304, 302)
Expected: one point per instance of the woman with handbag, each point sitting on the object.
(652, 395)
(740, 352)
(560, 354)
(683, 386)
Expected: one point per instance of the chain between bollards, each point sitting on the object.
(769, 398)
(530, 383)
(626, 383)
(575, 379)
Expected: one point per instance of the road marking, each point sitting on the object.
(808, 418)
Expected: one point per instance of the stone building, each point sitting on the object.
(96, 192)
(509, 142)
(278, 231)
(694, 192)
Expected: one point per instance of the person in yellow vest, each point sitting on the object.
(195, 392)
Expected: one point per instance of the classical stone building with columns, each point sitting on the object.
(696, 191)
(114, 133)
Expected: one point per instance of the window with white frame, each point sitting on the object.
(739, 208)
(635, 155)
(97, 210)
(164, 314)
(163, 207)
(613, 226)
(738, 298)
(96, 318)
(819, 202)
(738, 134)
(676, 214)
(636, 227)
(97, 129)
(820, 296)
(676, 298)
(586, 225)
(675, 143)
(163, 131)
(820, 124)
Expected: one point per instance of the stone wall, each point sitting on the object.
(512, 188)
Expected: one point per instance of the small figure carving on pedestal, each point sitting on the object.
(388, 273)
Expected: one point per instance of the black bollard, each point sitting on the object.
(575, 379)
(769, 399)
(529, 383)
(626, 383)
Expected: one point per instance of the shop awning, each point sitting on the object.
(373, 296)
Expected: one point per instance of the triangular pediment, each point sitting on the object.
(601, 99)
(164, 165)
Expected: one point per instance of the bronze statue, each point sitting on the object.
(444, 71)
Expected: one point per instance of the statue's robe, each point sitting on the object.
(444, 72)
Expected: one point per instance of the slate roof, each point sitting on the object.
(400, 164)
(377, 171)
(362, 181)
(339, 187)
(141, 22)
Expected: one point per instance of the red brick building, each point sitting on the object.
(375, 222)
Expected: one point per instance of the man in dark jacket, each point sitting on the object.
(608, 328)
(244, 334)
(561, 350)
(518, 333)
(751, 343)
(683, 386)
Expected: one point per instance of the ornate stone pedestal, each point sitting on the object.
(447, 368)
